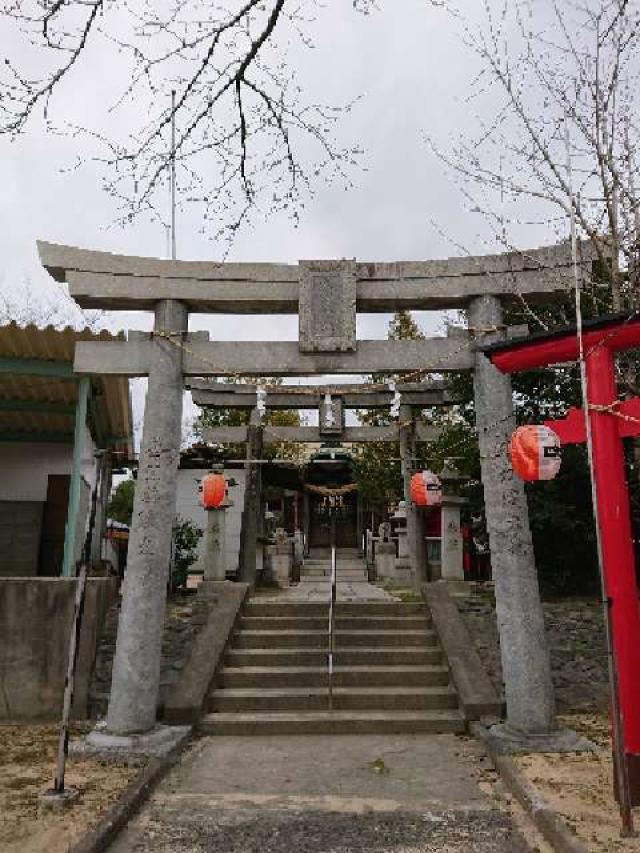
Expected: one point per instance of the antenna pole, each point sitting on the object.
(173, 174)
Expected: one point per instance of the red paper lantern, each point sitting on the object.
(426, 489)
(213, 488)
(535, 452)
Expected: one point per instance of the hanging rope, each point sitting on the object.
(326, 492)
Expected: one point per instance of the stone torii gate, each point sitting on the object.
(326, 295)
(331, 401)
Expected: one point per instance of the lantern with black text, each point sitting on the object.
(212, 491)
(425, 489)
(535, 452)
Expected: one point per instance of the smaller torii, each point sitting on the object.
(331, 402)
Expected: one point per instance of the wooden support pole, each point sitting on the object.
(102, 500)
(73, 507)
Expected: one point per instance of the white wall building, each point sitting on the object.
(52, 421)
(189, 507)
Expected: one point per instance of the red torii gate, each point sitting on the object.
(611, 420)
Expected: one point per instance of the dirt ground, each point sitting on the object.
(27, 758)
(579, 787)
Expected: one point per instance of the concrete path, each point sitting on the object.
(347, 794)
(320, 590)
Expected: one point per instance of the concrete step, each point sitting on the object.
(343, 639)
(336, 722)
(255, 607)
(325, 574)
(310, 657)
(341, 554)
(325, 583)
(317, 676)
(246, 700)
(340, 575)
(320, 623)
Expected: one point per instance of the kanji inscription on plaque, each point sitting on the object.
(327, 306)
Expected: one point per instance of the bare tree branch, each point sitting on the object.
(246, 139)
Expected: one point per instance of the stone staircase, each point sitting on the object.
(390, 676)
(350, 566)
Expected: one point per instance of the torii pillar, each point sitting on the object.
(252, 511)
(415, 537)
(610, 420)
(525, 658)
(136, 668)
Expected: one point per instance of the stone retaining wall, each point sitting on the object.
(185, 614)
(35, 628)
(576, 637)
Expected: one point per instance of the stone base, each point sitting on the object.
(457, 588)
(157, 742)
(402, 573)
(51, 800)
(210, 588)
(508, 741)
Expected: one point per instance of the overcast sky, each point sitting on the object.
(413, 73)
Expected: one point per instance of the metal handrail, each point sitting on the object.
(332, 608)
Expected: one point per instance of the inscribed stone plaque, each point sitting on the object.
(331, 415)
(327, 306)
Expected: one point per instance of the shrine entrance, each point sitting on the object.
(326, 295)
(346, 512)
(331, 469)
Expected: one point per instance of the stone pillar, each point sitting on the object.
(214, 554)
(403, 572)
(136, 668)
(298, 555)
(100, 521)
(368, 547)
(525, 658)
(385, 562)
(415, 542)
(306, 521)
(359, 530)
(281, 559)
(252, 503)
(452, 548)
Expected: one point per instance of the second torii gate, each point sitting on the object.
(331, 401)
(326, 295)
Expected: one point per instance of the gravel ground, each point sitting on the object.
(282, 832)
